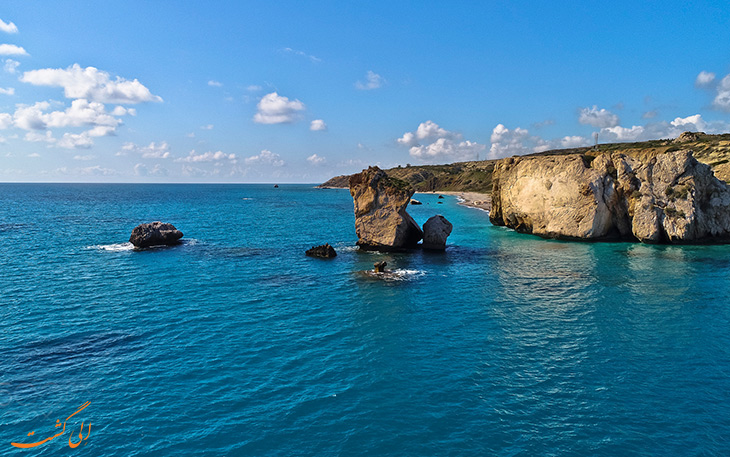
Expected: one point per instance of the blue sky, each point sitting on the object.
(299, 91)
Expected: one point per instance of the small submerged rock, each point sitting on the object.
(324, 251)
(379, 267)
(155, 234)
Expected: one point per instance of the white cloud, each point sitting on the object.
(92, 84)
(96, 171)
(598, 118)
(254, 88)
(11, 66)
(447, 149)
(722, 99)
(75, 141)
(506, 142)
(426, 131)
(214, 83)
(8, 27)
(266, 157)
(210, 156)
(12, 50)
(704, 79)
(154, 150)
(6, 121)
(663, 129)
(122, 111)
(141, 169)
(206, 127)
(80, 113)
(276, 109)
(315, 159)
(8, 91)
(431, 143)
(302, 54)
(574, 142)
(318, 125)
(34, 155)
(372, 81)
(36, 137)
(86, 157)
(650, 114)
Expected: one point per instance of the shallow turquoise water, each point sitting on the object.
(235, 343)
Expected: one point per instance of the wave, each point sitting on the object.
(399, 274)
(117, 247)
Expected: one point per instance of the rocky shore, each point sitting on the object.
(667, 198)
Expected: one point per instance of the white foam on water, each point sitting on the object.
(117, 247)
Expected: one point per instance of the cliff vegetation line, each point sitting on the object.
(476, 176)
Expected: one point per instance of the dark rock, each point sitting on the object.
(435, 231)
(155, 234)
(441, 196)
(324, 251)
(415, 202)
(379, 267)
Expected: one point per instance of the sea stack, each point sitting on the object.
(666, 198)
(435, 231)
(381, 220)
(155, 234)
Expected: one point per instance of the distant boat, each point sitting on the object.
(276, 185)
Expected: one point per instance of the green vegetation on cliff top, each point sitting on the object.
(476, 176)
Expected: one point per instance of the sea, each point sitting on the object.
(235, 343)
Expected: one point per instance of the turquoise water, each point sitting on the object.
(235, 343)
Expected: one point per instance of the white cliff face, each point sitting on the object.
(670, 198)
(381, 220)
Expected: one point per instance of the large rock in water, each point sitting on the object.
(669, 198)
(155, 234)
(381, 220)
(435, 231)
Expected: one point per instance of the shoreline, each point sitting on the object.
(476, 200)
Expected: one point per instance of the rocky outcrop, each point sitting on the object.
(668, 198)
(381, 220)
(155, 234)
(324, 251)
(435, 231)
(687, 137)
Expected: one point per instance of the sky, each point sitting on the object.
(286, 91)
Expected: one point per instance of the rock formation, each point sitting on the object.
(379, 267)
(155, 234)
(324, 251)
(381, 220)
(687, 137)
(415, 202)
(435, 231)
(668, 198)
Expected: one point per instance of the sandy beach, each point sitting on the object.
(472, 199)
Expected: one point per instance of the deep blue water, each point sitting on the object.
(236, 344)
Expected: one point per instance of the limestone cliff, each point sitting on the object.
(381, 220)
(667, 198)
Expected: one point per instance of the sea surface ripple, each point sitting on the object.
(234, 343)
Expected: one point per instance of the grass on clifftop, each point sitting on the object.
(476, 176)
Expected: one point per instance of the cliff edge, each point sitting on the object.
(665, 198)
